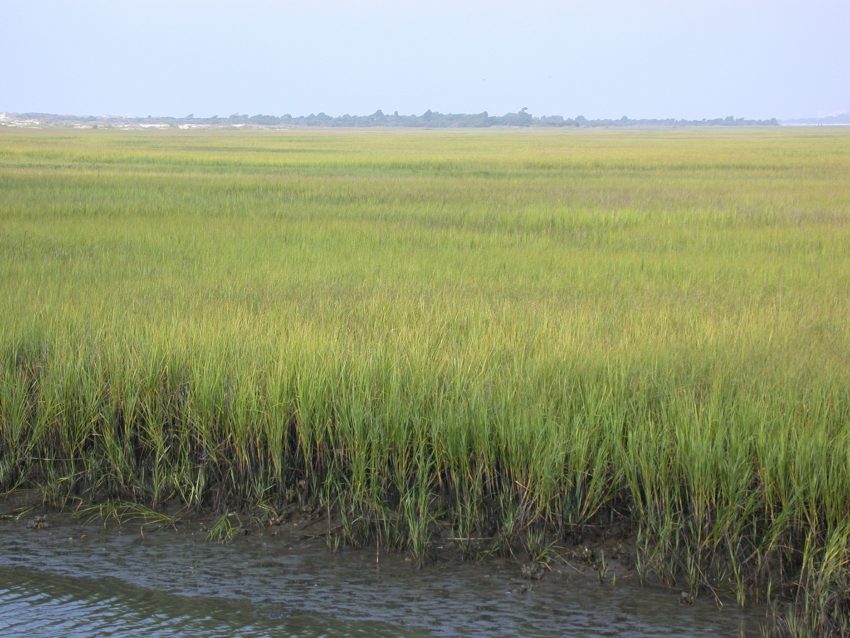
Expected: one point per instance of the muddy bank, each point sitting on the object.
(281, 580)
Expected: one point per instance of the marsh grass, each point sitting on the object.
(513, 336)
(123, 512)
(225, 528)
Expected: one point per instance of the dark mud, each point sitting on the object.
(60, 575)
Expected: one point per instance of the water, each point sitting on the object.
(82, 580)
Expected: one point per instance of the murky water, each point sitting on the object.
(80, 580)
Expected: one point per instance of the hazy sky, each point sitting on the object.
(598, 58)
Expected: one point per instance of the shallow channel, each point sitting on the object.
(83, 580)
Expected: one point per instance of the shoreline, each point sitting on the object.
(303, 536)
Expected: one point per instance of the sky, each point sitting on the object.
(653, 58)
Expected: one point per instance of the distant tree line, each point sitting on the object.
(429, 119)
(434, 119)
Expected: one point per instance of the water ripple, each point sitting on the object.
(81, 582)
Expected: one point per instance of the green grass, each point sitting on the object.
(510, 334)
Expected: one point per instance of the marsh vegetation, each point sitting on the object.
(518, 336)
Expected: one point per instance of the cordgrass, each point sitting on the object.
(518, 335)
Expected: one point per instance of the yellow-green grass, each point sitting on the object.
(511, 333)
